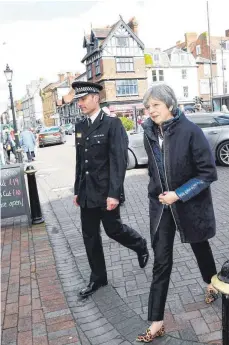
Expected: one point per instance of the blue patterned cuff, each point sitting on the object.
(191, 188)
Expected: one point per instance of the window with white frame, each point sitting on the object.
(126, 87)
(125, 64)
(154, 75)
(97, 67)
(184, 73)
(157, 75)
(198, 50)
(182, 58)
(206, 69)
(161, 75)
(185, 91)
(89, 71)
(156, 57)
(122, 41)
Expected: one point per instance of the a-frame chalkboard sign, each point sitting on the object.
(14, 199)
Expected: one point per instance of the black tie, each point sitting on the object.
(89, 122)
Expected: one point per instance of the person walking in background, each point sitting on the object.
(9, 144)
(101, 160)
(28, 142)
(33, 130)
(181, 169)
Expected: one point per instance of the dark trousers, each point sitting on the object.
(30, 155)
(163, 262)
(13, 149)
(128, 237)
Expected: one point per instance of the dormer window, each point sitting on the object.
(198, 50)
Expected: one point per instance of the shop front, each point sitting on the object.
(129, 110)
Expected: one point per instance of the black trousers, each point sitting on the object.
(30, 155)
(114, 228)
(163, 262)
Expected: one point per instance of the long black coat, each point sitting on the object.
(101, 160)
(186, 157)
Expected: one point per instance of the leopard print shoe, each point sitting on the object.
(211, 296)
(147, 337)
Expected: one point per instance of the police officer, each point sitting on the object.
(101, 160)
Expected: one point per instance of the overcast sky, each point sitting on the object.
(43, 38)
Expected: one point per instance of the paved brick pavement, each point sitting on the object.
(34, 307)
(116, 313)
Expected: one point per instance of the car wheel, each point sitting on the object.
(222, 153)
(131, 163)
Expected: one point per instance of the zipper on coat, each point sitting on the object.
(159, 180)
(166, 180)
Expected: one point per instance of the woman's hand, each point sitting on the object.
(112, 204)
(168, 198)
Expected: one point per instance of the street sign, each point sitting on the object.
(14, 199)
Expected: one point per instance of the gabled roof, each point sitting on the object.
(116, 26)
(107, 33)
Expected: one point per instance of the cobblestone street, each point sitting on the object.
(117, 313)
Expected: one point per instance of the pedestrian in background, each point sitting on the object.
(33, 130)
(101, 160)
(9, 144)
(181, 169)
(28, 142)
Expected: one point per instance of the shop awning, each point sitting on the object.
(125, 107)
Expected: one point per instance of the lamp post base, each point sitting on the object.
(19, 155)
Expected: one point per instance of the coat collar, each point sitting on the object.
(150, 127)
(95, 124)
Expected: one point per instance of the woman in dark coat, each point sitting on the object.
(181, 169)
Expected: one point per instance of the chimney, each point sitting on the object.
(61, 77)
(190, 37)
(227, 33)
(133, 24)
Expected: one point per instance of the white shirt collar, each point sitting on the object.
(93, 117)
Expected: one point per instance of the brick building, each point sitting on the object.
(198, 45)
(115, 59)
(67, 107)
(51, 96)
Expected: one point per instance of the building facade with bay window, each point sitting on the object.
(115, 59)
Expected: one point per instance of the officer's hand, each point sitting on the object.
(112, 204)
(75, 200)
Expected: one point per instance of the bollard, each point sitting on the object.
(221, 282)
(33, 196)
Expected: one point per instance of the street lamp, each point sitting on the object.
(9, 74)
(222, 45)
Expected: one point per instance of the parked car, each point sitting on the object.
(69, 128)
(51, 135)
(39, 128)
(214, 125)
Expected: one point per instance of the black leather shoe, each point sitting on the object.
(91, 288)
(144, 256)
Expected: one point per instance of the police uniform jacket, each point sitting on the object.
(101, 160)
